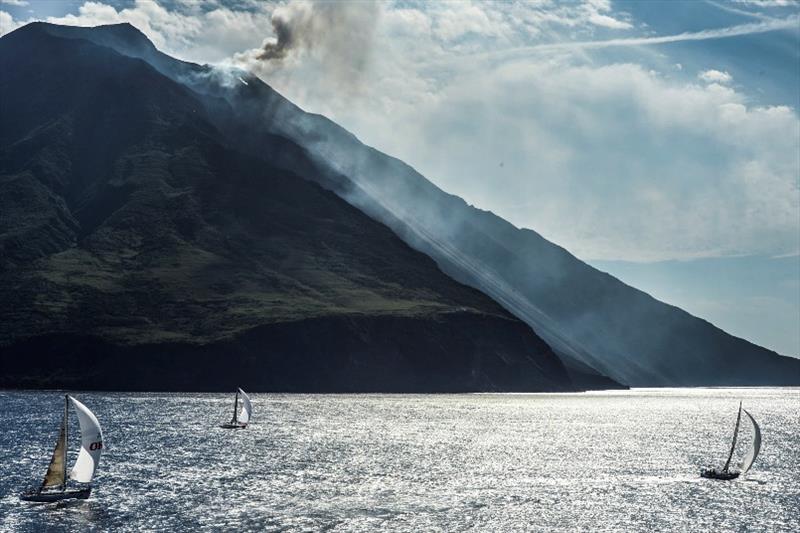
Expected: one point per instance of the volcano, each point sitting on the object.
(141, 248)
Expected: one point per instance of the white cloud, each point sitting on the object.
(598, 10)
(18, 3)
(7, 23)
(452, 24)
(613, 161)
(770, 3)
(608, 22)
(194, 31)
(715, 76)
(751, 28)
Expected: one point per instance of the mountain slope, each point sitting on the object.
(586, 315)
(139, 249)
(590, 318)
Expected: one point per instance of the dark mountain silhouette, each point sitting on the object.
(141, 249)
(592, 320)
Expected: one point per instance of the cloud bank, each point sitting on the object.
(521, 109)
(617, 161)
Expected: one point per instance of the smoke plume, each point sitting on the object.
(338, 33)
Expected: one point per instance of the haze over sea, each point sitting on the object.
(602, 461)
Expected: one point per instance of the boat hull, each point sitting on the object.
(55, 496)
(713, 473)
(233, 426)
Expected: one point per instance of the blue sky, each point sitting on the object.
(660, 141)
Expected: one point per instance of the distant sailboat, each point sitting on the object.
(749, 458)
(54, 487)
(240, 419)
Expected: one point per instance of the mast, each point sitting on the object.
(733, 444)
(66, 440)
(235, 408)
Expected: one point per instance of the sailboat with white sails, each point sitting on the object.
(240, 419)
(750, 457)
(55, 485)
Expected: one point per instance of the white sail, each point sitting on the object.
(91, 444)
(752, 453)
(247, 408)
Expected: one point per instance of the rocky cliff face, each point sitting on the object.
(141, 247)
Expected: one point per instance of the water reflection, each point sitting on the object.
(598, 462)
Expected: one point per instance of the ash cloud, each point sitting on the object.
(339, 34)
(284, 42)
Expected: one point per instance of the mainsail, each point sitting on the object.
(247, 408)
(91, 444)
(57, 471)
(752, 453)
(735, 434)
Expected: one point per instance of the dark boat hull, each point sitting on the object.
(55, 496)
(713, 473)
(233, 426)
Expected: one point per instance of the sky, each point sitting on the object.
(658, 141)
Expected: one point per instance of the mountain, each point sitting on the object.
(143, 247)
(595, 323)
(587, 316)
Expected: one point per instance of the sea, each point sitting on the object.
(595, 461)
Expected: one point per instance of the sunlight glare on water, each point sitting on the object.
(605, 461)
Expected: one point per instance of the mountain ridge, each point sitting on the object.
(133, 239)
(590, 318)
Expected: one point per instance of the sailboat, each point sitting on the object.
(240, 419)
(55, 485)
(749, 458)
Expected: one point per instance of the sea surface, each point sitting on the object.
(602, 461)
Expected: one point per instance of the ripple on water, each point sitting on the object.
(620, 461)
